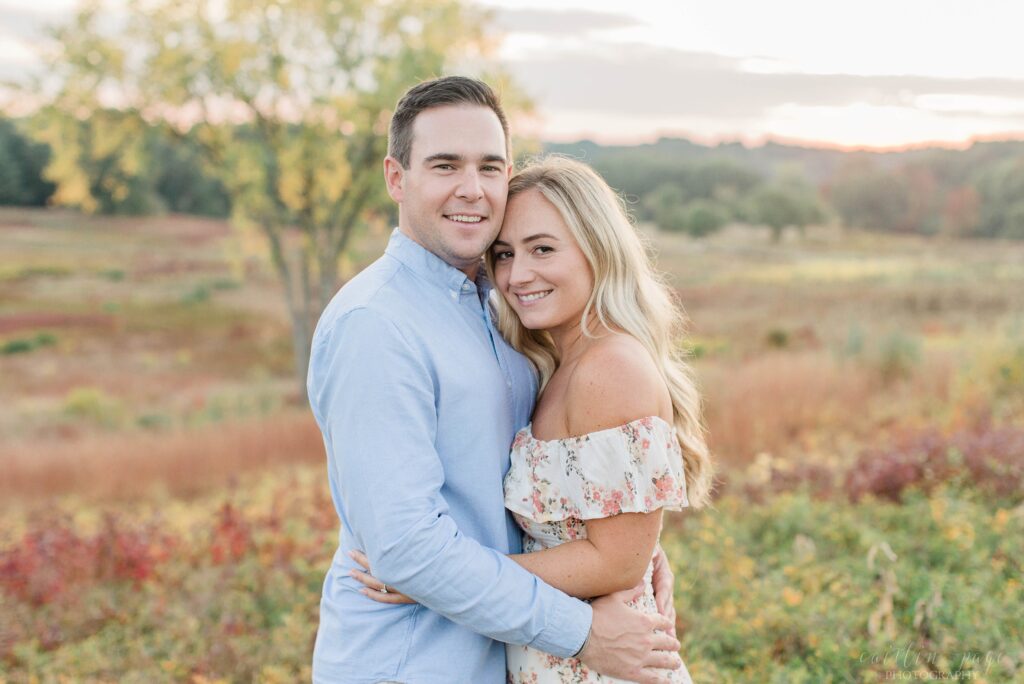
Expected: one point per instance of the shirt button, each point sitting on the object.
(465, 287)
(455, 295)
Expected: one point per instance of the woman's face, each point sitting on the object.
(538, 267)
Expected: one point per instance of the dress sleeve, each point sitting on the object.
(633, 468)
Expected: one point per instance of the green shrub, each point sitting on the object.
(94, 405)
(23, 345)
(198, 295)
(896, 357)
(777, 338)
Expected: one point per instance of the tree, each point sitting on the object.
(784, 202)
(21, 168)
(703, 216)
(1001, 190)
(960, 213)
(287, 100)
(664, 206)
(866, 197)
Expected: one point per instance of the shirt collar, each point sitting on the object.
(433, 268)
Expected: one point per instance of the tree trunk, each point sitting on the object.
(302, 338)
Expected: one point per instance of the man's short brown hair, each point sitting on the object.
(449, 90)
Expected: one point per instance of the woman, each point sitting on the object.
(616, 434)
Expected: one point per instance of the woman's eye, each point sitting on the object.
(544, 249)
(501, 256)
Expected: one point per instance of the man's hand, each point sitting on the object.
(664, 583)
(624, 642)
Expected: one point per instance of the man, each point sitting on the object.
(418, 398)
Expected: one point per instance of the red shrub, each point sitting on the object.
(232, 535)
(991, 458)
(54, 557)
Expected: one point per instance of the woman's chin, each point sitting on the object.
(531, 321)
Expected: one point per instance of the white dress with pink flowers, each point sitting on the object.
(553, 486)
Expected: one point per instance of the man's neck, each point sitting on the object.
(471, 270)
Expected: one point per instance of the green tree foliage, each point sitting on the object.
(788, 201)
(702, 217)
(723, 180)
(286, 102)
(664, 206)
(867, 197)
(1001, 190)
(21, 168)
(184, 184)
(670, 210)
(98, 156)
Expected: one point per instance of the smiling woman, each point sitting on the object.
(544, 275)
(615, 438)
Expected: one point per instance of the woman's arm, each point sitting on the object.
(614, 383)
(613, 557)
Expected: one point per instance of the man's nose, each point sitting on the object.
(470, 188)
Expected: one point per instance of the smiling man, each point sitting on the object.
(418, 398)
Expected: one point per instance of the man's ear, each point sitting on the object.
(509, 170)
(394, 174)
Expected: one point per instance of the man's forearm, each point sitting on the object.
(481, 589)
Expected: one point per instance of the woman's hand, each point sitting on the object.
(376, 590)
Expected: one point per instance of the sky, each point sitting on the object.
(874, 73)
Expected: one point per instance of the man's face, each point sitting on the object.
(452, 197)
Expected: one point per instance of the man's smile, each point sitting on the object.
(465, 218)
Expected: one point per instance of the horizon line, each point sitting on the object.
(756, 142)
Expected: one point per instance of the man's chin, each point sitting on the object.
(471, 251)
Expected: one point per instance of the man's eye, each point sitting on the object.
(490, 169)
(444, 167)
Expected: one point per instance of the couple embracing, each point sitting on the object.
(458, 561)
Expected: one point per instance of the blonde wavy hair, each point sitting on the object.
(628, 296)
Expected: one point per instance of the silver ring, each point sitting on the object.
(384, 589)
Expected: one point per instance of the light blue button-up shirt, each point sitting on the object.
(418, 398)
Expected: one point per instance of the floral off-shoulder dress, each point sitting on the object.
(555, 485)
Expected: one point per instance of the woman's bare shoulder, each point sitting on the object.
(615, 382)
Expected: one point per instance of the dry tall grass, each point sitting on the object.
(184, 463)
(778, 402)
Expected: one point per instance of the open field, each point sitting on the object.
(165, 518)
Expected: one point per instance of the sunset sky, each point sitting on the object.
(877, 73)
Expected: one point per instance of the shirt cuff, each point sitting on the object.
(567, 629)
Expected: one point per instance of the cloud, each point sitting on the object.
(24, 24)
(561, 22)
(644, 80)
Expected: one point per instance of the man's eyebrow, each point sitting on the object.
(443, 156)
(448, 156)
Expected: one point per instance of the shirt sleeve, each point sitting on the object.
(374, 397)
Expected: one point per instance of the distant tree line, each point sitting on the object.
(685, 187)
(677, 185)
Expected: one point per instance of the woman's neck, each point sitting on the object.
(570, 340)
